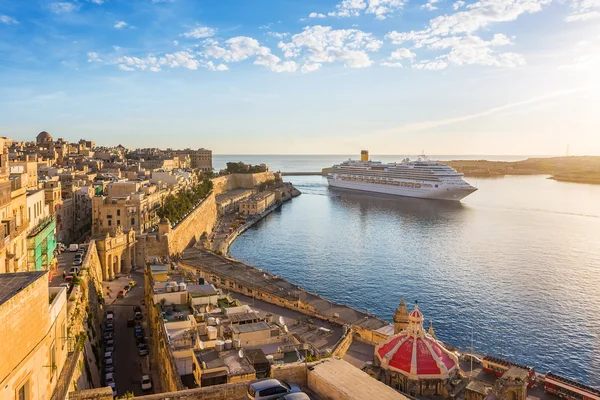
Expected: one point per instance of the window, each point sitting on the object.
(118, 222)
(52, 361)
(64, 334)
(132, 221)
(109, 222)
(118, 213)
(23, 392)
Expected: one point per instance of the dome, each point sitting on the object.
(415, 353)
(44, 137)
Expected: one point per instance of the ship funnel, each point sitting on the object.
(364, 155)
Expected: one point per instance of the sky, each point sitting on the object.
(305, 76)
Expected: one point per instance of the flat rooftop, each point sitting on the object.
(349, 382)
(277, 286)
(245, 328)
(11, 284)
(202, 290)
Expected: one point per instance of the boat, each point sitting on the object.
(422, 178)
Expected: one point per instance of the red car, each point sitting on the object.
(121, 294)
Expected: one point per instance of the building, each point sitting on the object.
(41, 233)
(257, 204)
(82, 207)
(401, 317)
(35, 344)
(415, 362)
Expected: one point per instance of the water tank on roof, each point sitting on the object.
(270, 358)
(211, 321)
(182, 286)
(168, 288)
(211, 332)
(237, 343)
(228, 344)
(219, 345)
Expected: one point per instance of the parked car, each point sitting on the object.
(127, 288)
(270, 389)
(121, 294)
(139, 332)
(109, 327)
(132, 283)
(109, 343)
(109, 366)
(69, 279)
(146, 382)
(66, 285)
(77, 261)
(137, 309)
(107, 355)
(110, 348)
(107, 336)
(109, 378)
(142, 349)
(74, 271)
(74, 247)
(295, 396)
(138, 316)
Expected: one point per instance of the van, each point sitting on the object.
(74, 247)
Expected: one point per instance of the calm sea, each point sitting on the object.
(513, 270)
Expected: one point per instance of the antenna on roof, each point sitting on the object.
(241, 353)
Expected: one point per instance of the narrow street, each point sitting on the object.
(129, 366)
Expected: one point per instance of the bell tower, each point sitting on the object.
(401, 317)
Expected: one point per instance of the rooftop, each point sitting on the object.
(245, 328)
(12, 284)
(202, 290)
(277, 286)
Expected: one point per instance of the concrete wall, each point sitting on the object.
(342, 346)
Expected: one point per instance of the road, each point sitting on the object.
(128, 364)
(65, 262)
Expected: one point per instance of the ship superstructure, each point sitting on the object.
(422, 178)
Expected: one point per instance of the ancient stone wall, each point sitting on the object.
(188, 232)
(240, 181)
(342, 346)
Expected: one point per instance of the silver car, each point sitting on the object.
(270, 389)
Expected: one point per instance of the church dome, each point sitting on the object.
(415, 353)
(44, 137)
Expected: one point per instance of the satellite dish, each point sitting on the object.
(201, 345)
(241, 353)
(217, 321)
(285, 328)
(281, 320)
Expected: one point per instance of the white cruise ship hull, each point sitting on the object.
(444, 191)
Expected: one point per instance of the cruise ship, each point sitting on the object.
(422, 178)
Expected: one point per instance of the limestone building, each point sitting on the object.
(35, 343)
(401, 317)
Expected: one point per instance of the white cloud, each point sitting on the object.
(306, 68)
(391, 64)
(241, 48)
(402, 53)
(458, 4)
(97, 1)
(430, 5)
(121, 24)
(180, 59)
(266, 26)
(434, 65)
(200, 32)
(5, 19)
(322, 44)
(63, 7)
(584, 10)
(278, 35)
(126, 68)
(117, 48)
(93, 57)
(353, 8)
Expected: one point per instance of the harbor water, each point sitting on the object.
(513, 270)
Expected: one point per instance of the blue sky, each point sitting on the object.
(305, 76)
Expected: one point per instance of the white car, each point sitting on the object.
(146, 382)
(109, 380)
(74, 247)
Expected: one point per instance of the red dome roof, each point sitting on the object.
(416, 354)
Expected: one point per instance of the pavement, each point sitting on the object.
(129, 366)
(359, 353)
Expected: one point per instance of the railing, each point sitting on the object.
(42, 224)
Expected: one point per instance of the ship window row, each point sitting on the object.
(414, 177)
(391, 183)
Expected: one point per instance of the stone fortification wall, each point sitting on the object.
(188, 232)
(342, 346)
(240, 181)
